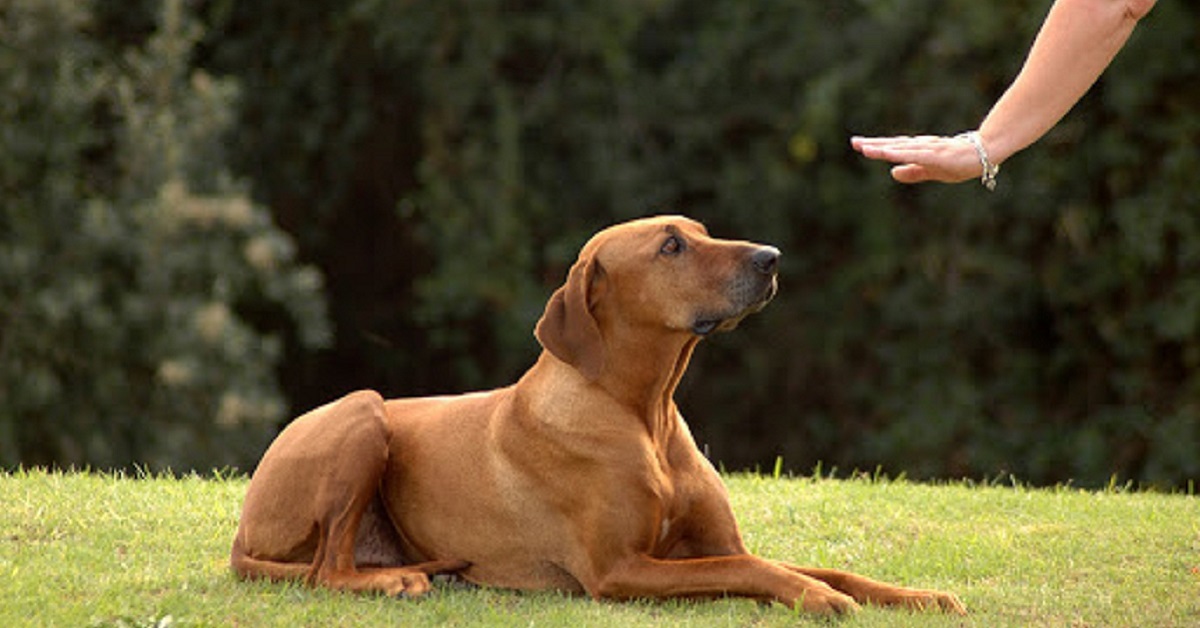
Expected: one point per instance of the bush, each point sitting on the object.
(145, 298)
(442, 163)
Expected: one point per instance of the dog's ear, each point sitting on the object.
(568, 329)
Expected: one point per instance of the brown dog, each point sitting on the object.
(581, 477)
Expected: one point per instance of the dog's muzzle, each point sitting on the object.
(750, 292)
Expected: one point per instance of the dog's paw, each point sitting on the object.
(919, 599)
(949, 603)
(828, 603)
(407, 584)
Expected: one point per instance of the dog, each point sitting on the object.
(581, 477)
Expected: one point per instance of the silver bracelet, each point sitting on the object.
(990, 170)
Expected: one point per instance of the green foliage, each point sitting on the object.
(1048, 330)
(144, 297)
(442, 163)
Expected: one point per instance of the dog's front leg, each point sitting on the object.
(741, 575)
(867, 591)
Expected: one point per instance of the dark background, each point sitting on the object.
(218, 214)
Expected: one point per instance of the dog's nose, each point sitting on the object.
(765, 259)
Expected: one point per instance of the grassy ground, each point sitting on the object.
(89, 549)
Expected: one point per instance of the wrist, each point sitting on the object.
(989, 168)
(999, 146)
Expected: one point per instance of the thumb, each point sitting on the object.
(910, 173)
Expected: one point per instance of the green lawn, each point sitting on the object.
(92, 549)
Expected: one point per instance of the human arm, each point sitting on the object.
(1077, 41)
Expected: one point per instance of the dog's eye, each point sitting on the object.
(672, 246)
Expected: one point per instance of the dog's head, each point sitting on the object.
(663, 275)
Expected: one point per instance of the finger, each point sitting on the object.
(905, 152)
(899, 154)
(863, 144)
(898, 141)
(910, 173)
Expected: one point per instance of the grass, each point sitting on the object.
(79, 549)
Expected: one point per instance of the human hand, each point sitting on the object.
(923, 158)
